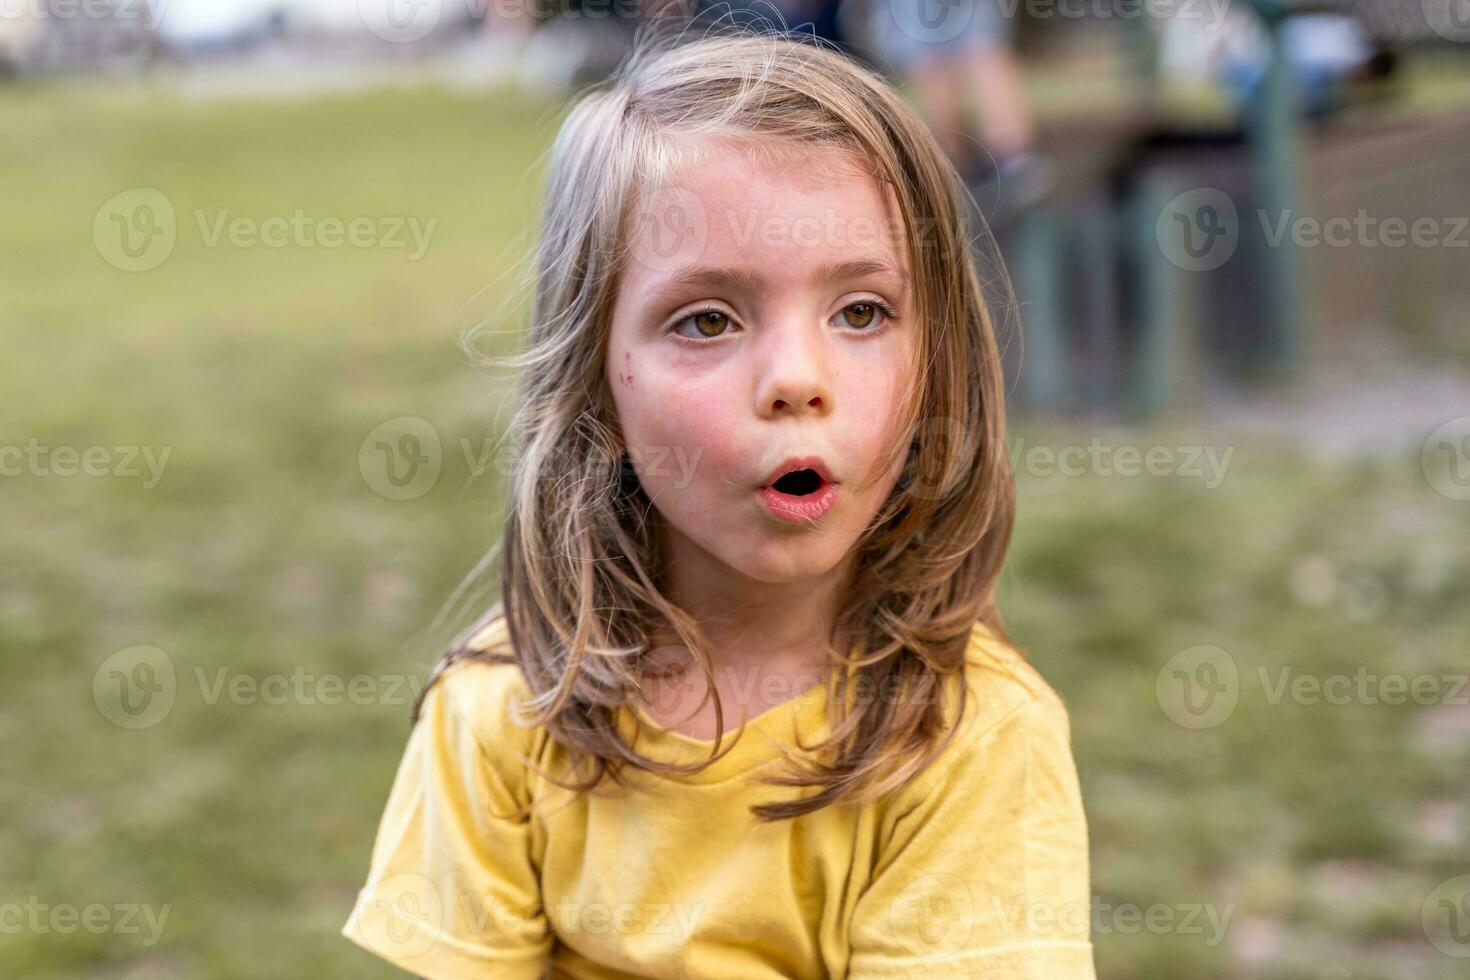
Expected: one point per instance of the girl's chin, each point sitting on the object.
(784, 561)
(761, 549)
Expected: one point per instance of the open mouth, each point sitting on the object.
(799, 483)
(799, 495)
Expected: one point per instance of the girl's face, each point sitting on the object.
(765, 316)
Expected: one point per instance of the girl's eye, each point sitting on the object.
(708, 325)
(864, 314)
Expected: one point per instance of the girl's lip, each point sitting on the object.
(799, 510)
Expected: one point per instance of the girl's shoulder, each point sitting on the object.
(483, 685)
(1007, 703)
(1001, 676)
(1014, 733)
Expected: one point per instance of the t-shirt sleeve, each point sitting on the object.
(452, 891)
(986, 873)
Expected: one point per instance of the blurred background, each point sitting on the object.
(246, 464)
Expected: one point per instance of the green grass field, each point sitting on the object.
(1312, 835)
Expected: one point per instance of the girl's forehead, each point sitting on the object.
(768, 203)
(814, 163)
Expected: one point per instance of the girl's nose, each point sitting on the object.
(794, 379)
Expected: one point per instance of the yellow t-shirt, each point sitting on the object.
(976, 868)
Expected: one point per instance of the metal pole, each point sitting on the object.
(1272, 126)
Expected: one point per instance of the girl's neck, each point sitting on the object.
(781, 627)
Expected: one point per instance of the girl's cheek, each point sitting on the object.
(707, 430)
(871, 420)
(694, 419)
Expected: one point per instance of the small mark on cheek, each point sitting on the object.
(626, 375)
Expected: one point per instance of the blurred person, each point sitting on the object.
(1325, 51)
(506, 29)
(958, 60)
(728, 513)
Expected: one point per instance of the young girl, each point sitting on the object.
(745, 709)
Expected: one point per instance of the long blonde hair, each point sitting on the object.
(580, 582)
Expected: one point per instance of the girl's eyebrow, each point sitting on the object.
(749, 280)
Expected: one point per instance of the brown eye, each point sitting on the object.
(860, 315)
(709, 323)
